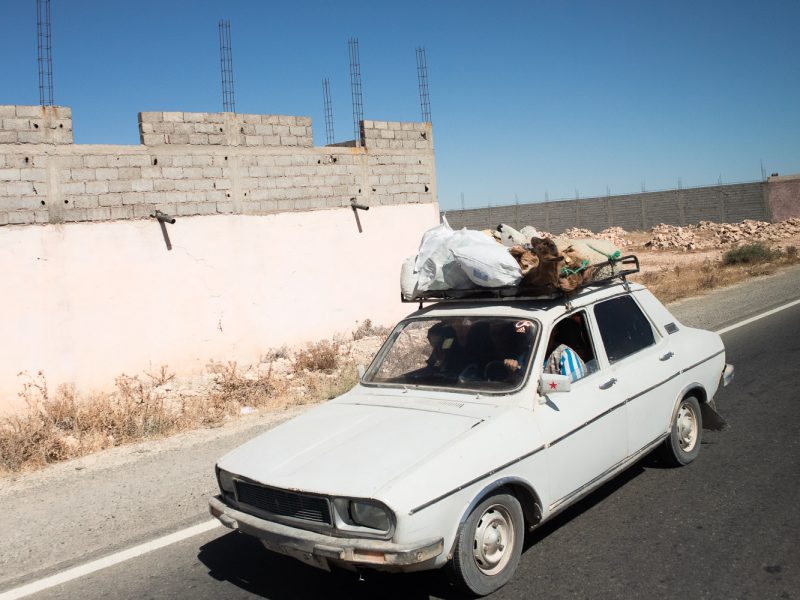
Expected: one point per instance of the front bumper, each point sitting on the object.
(317, 548)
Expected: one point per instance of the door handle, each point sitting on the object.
(667, 356)
(608, 384)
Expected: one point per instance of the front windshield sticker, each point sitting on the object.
(470, 353)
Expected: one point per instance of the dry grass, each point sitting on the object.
(57, 426)
(324, 355)
(367, 329)
(697, 278)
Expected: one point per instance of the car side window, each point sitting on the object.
(570, 350)
(623, 326)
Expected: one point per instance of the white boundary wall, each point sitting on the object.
(85, 302)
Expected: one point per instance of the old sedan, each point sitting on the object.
(475, 422)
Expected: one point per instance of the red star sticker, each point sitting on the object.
(553, 385)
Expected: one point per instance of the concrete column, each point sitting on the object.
(55, 205)
(642, 201)
(547, 216)
(766, 202)
(235, 191)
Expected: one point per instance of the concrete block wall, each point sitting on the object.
(224, 129)
(721, 203)
(395, 135)
(35, 125)
(279, 171)
(400, 162)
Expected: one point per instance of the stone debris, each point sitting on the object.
(707, 234)
(578, 233)
(750, 230)
(671, 236)
(615, 235)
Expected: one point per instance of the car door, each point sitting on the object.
(585, 428)
(641, 366)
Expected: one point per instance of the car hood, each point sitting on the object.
(349, 447)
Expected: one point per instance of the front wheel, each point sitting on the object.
(683, 444)
(489, 545)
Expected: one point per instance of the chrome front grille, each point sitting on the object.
(284, 504)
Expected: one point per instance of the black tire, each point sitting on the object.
(480, 569)
(683, 444)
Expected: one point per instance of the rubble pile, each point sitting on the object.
(671, 236)
(750, 230)
(708, 234)
(577, 233)
(615, 235)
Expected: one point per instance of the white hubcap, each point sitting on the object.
(687, 427)
(494, 540)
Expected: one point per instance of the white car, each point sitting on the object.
(455, 442)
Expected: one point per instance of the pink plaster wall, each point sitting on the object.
(784, 196)
(86, 302)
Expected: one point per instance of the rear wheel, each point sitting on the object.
(489, 545)
(683, 444)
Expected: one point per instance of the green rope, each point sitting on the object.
(613, 257)
(565, 271)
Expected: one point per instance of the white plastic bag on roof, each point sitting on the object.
(408, 279)
(453, 260)
(433, 254)
(485, 262)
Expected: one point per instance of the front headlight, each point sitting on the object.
(369, 515)
(225, 480)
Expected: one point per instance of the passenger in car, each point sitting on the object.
(565, 349)
(447, 355)
(511, 343)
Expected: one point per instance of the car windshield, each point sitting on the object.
(471, 353)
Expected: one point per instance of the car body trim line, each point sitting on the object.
(475, 480)
(652, 387)
(589, 422)
(697, 364)
(628, 459)
(637, 395)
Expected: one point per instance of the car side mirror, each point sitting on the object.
(361, 369)
(549, 383)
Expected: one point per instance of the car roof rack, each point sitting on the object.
(618, 271)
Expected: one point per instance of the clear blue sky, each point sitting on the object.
(527, 98)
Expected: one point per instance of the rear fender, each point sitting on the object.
(712, 420)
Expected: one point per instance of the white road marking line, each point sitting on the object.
(179, 536)
(756, 318)
(108, 561)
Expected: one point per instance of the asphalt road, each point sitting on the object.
(727, 526)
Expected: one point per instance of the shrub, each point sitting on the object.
(749, 254)
(320, 356)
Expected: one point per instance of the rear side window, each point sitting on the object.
(623, 327)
